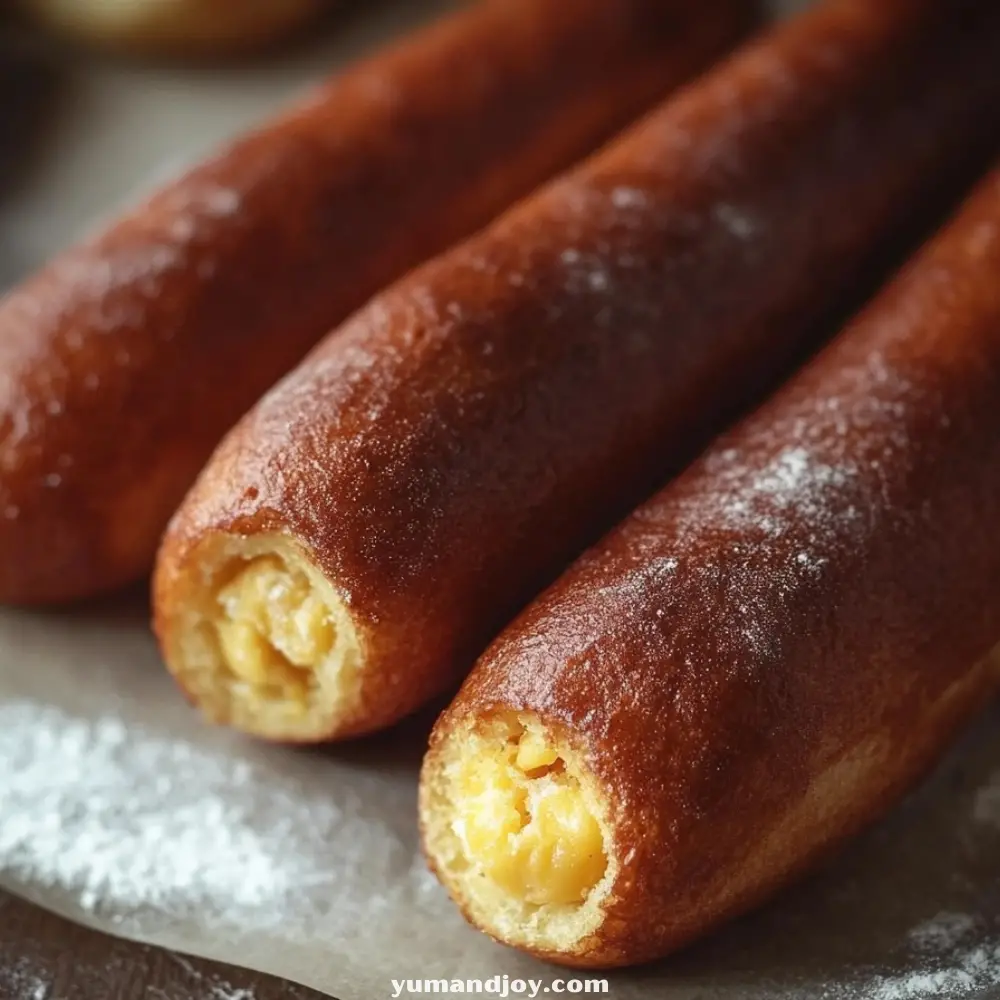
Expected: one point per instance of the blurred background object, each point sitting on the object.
(176, 28)
(28, 84)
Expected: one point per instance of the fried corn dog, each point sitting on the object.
(368, 528)
(126, 359)
(758, 661)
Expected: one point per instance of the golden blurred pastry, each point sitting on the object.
(176, 26)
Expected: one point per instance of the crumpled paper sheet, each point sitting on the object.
(911, 909)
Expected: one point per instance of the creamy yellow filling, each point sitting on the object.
(524, 822)
(273, 629)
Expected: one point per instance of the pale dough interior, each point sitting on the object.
(264, 643)
(519, 832)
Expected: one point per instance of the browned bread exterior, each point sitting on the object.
(126, 359)
(762, 658)
(467, 433)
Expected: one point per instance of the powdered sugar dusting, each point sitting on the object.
(777, 524)
(214, 988)
(224, 991)
(586, 273)
(793, 485)
(117, 817)
(944, 966)
(942, 933)
(958, 976)
(22, 982)
(794, 490)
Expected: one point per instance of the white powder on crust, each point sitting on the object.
(794, 485)
(783, 502)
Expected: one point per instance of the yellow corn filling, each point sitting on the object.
(524, 822)
(274, 631)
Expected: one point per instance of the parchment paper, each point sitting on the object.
(910, 910)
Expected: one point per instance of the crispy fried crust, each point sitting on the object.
(466, 434)
(127, 358)
(761, 659)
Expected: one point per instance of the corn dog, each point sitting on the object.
(759, 660)
(371, 524)
(126, 359)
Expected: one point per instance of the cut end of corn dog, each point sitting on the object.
(262, 641)
(519, 830)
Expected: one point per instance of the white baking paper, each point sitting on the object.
(120, 809)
